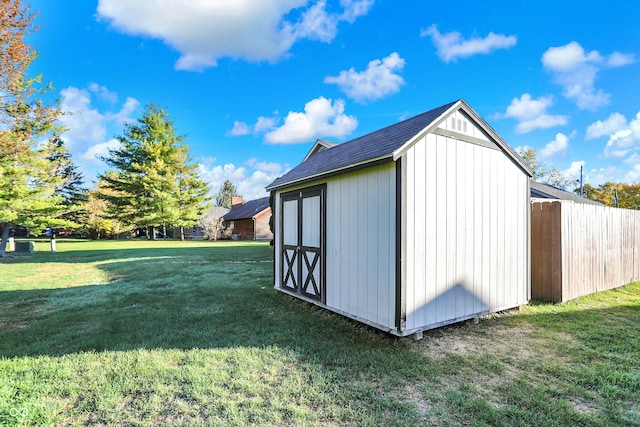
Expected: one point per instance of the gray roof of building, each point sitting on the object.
(247, 210)
(546, 191)
(369, 147)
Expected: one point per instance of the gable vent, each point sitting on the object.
(459, 125)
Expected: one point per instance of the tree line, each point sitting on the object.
(151, 185)
(618, 195)
(151, 181)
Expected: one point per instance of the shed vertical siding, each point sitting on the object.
(360, 244)
(467, 222)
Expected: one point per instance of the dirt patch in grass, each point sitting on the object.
(511, 344)
(477, 340)
(416, 397)
(583, 406)
(494, 356)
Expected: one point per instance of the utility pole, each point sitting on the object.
(581, 182)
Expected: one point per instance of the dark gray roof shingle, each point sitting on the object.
(374, 145)
(247, 210)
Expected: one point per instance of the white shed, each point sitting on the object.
(417, 225)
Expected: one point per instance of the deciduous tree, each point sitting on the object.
(542, 173)
(618, 195)
(27, 187)
(212, 224)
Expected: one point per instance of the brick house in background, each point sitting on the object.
(250, 220)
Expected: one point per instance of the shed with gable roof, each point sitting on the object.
(417, 225)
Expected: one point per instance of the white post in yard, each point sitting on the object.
(53, 242)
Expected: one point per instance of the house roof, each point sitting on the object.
(386, 144)
(546, 191)
(248, 210)
(320, 145)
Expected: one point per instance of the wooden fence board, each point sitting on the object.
(579, 249)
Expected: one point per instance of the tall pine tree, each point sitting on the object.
(225, 194)
(152, 183)
(71, 186)
(192, 193)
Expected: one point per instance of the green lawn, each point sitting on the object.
(193, 333)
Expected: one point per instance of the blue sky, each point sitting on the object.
(253, 83)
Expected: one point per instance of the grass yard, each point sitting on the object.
(192, 333)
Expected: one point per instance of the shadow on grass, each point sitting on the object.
(200, 297)
(222, 297)
(210, 296)
(188, 297)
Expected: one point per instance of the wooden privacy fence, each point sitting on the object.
(579, 249)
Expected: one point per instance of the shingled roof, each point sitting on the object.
(367, 148)
(546, 191)
(378, 146)
(247, 210)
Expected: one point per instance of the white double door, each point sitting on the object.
(302, 242)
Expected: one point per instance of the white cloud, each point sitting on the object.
(617, 59)
(208, 160)
(532, 113)
(267, 167)
(355, 8)
(527, 108)
(576, 70)
(599, 176)
(103, 92)
(451, 46)
(569, 57)
(625, 140)
(253, 30)
(264, 124)
(317, 24)
(633, 175)
(544, 121)
(572, 173)
(239, 129)
(250, 179)
(612, 124)
(558, 146)
(84, 123)
(321, 118)
(633, 159)
(574, 169)
(378, 80)
(124, 115)
(87, 126)
(95, 152)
